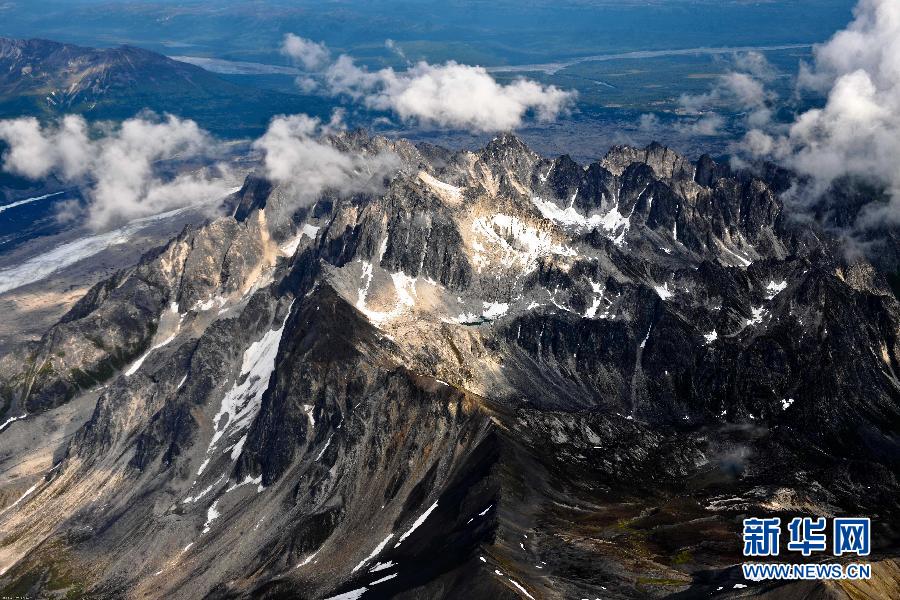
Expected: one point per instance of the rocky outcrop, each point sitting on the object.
(119, 319)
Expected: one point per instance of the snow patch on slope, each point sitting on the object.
(773, 289)
(418, 522)
(137, 364)
(494, 310)
(614, 223)
(404, 289)
(758, 313)
(12, 420)
(374, 553)
(443, 189)
(212, 514)
(242, 401)
(351, 595)
(512, 242)
(289, 248)
(663, 291)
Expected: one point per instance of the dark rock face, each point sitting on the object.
(505, 376)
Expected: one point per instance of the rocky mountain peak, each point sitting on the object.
(507, 149)
(665, 162)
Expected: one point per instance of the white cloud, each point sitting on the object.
(735, 89)
(708, 125)
(742, 88)
(759, 143)
(649, 122)
(115, 164)
(449, 95)
(704, 125)
(296, 155)
(305, 52)
(307, 85)
(34, 152)
(345, 77)
(446, 95)
(756, 64)
(747, 91)
(396, 49)
(119, 166)
(857, 132)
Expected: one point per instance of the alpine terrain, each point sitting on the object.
(489, 375)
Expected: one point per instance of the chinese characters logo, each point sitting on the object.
(807, 535)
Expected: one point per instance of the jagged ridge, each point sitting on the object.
(505, 364)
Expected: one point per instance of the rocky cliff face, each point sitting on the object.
(503, 376)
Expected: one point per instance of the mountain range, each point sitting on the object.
(47, 78)
(493, 375)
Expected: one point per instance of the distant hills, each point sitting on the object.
(43, 77)
(64, 77)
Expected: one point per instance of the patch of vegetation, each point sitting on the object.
(62, 576)
(630, 525)
(46, 369)
(86, 378)
(22, 586)
(116, 359)
(6, 395)
(660, 581)
(49, 572)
